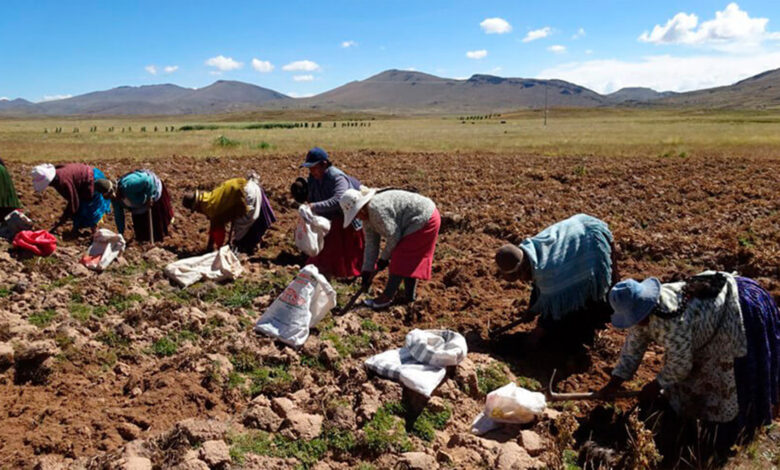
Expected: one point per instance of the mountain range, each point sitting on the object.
(397, 91)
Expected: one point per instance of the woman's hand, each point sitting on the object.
(650, 392)
(609, 390)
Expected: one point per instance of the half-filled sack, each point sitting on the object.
(302, 305)
(105, 248)
(310, 231)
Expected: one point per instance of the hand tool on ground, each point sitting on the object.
(346, 308)
(524, 318)
(151, 225)
(554, 396)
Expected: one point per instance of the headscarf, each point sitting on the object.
(42, 176)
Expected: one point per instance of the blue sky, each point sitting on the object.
(53, 49)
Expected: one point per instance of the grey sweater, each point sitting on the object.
(393, 215)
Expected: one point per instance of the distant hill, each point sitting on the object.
(16, 105)
(219, 97)
(637, 94)
(757, 92)
(399, 90)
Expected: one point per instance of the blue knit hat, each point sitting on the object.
(633, 301)
(315, 157)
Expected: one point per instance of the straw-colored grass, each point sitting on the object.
(568, 132)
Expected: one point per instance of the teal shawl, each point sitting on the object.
(571, 264)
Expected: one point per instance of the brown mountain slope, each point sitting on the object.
(398, 90)
(761, 91)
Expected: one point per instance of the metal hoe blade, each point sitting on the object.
(554, 396)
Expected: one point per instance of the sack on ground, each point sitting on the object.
(14, 223)
(106, 246)
(39, 242)
(421, 364)
(509, 404)
(310, 231)
(221, 265)
(302, 305)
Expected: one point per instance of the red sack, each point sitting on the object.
(39, 242)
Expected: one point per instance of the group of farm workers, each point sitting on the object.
(720, 333)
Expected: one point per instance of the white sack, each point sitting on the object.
(304, 302)
(509, 404)
(399, 365)
(106, 246)
(440, 348)
(310, 231)
(217, 266)
(420, 364)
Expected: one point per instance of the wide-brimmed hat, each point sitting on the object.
(315, 157)
(42, 176)
(352, 201)
(633, 301)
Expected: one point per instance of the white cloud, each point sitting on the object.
(495, 26)
(170, 68)
(262, 66)
(496, 69)
(301, 66)
(347, 44)
(54, 97)
(409, 69)
(224, 64)
(730, 27)
(537, 34)
(303, 78)
(215, 72)
(557, 49)
(588, 51)
(293, 94)
(664, 72)
(151, 69)
(579, 34)
(480, 54)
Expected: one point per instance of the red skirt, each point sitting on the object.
(413, 255)
(342, 256)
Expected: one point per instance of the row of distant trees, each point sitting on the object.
(199, 127)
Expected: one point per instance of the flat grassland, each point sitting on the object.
(602, 132)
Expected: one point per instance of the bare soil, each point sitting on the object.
(108, 380)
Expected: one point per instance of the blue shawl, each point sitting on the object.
(571, 264)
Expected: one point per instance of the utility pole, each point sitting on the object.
(545, 104)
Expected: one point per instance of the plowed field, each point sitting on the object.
(126, 355)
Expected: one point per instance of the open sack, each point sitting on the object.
(217, 266)
(303, 304)
(310, 231)
(509, 404)
(106, 246)
(421, 364)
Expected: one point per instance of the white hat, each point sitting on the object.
(42, 176)
(352, 201)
